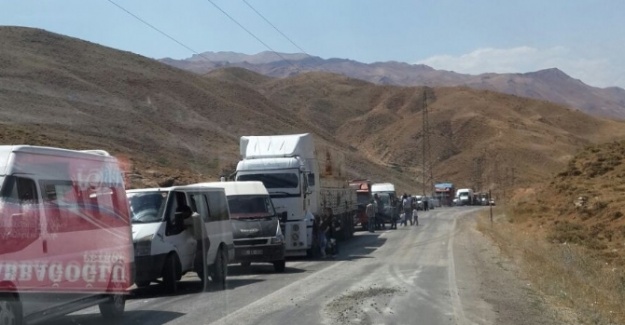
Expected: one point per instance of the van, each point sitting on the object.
(255, 224)
(174, 227)
(65, 234)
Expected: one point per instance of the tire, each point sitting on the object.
(10, 311)
(246, 264)
(114, 307)
(143, 284)
(220, 268)
(170, 274)
(279, 266)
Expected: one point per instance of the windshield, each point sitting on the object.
(250, 206)
(146, 207)
(273, 180)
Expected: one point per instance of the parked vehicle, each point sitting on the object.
(255, 224)
(363, 196)
(173, 228)
(65, 229)
(388, 195)
(289, 169)
(465, 196)
(444, 192)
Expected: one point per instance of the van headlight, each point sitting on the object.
(143, 245)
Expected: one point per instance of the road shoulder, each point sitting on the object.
(490, 286)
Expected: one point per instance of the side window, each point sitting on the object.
(199, 204)
(20, 190)
(311, 179)
(178, 203)
(218, 207)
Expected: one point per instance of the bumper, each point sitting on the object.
(149, 268)
(258, 253)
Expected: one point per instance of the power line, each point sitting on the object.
(252, 34)
(274, 27)
(153, 27)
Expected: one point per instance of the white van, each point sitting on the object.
(171, 227)
(255, 224)
(64, 232)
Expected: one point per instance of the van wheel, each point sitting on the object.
(170, 274)
(10, 311)
(220, 268)
(279, 266)
(114, 307)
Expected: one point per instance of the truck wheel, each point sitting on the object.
(170, 274)
(279, 266)
(10, 310)
(114, 307)
(220, 271)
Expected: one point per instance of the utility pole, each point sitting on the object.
(426, 150)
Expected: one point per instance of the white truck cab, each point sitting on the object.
(174, 227)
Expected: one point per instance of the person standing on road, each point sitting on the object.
(407, 204)
(370, 211)
(379, 222)
(415, 217)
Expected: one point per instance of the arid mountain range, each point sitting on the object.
(177, 127)
(550, 84)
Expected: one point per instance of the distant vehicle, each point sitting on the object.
(65, 230)
(418, 199)
(464, 196)
(255, 224)
(289, 169)
(363, 196)
(387, 194)
(445, 193)
(176, 229)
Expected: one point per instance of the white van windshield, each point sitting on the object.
(146, 207)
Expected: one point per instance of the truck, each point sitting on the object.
(388, 196)
(289, 167)
(444, 193)
(363, 196)
(464, 196)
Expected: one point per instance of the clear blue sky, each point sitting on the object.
(584, 38)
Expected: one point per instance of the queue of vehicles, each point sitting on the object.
(74, 237)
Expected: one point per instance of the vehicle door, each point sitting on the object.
(176, 233)
(218, 227)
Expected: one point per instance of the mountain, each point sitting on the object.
(550, 84)
(177, 127)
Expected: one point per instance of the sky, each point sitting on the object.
(583, 38)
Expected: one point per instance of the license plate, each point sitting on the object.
(253, 252)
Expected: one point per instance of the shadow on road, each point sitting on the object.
(152, 317)
(235, 270)
(188, 287)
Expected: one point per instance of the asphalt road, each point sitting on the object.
(404, 276)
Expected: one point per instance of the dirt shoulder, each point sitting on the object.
(491, 286)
